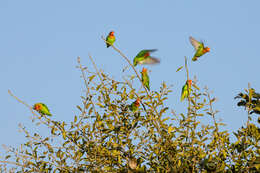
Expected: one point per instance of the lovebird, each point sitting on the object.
(143, 57)
(42, 109)
(145, 78)
(110, 39)
(199, 47)
(186, 89)
(135, 105)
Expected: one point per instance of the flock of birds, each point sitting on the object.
(143, 57)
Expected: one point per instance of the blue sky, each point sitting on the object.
(40, 42)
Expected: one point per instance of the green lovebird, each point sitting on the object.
(199, 47)
(110, 39)
(145, 78)
(135, 105)
(143, 57)
(42, 109)
(186, 89)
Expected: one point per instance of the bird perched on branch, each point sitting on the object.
(110, 39)
(42, 109)
(186, 89)
(135, 105)
(145, 78)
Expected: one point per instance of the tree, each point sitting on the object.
(108, 136)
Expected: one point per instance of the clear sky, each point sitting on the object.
(40, 42)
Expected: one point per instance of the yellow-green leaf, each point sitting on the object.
(179, 68)
(170, 129)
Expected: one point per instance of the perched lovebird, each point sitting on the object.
(135, 105)
(145, 78)
(199, 47)
(143, 57)
(186, 89)
(42, 109)
(110, 39)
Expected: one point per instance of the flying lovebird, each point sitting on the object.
(186, 89)
(110, 39)
(199, 47)
(143, 57)
(145, 78)
(135, 105)
(42, 109)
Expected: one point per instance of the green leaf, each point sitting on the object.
(75, 119)
(64, 134)
(87, 105)
(170, 129)
(195, 86)
(79, 108)
(179, 68)
(91, 78)
(164, 110)
(7, 157)
(90, 111)
(99, 104)
(165, 119)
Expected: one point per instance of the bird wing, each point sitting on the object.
(183, 92)
(150, 60)
(44, 105)
(196, 44)
(151, 50)
(143, 52)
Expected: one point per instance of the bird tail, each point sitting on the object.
(194, 58)
(182, 98)
(108, 45)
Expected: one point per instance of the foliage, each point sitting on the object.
(106, 136)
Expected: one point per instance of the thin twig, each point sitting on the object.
(212, 112)
(97, 71)
(187, 71)
(87, 87)
(39, 117)
(13, 163)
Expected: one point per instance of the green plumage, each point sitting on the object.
(110, 39)
(198, 53)
(143, 57)
(134, 106)
(145, 79)
(42, 109)
(185, 91)
(199, 47)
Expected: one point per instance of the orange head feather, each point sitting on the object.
(146, 54)
(111, 33)
(189, 83)
(137, 102)
(37, 107)
(206, 49)
(144, 70)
